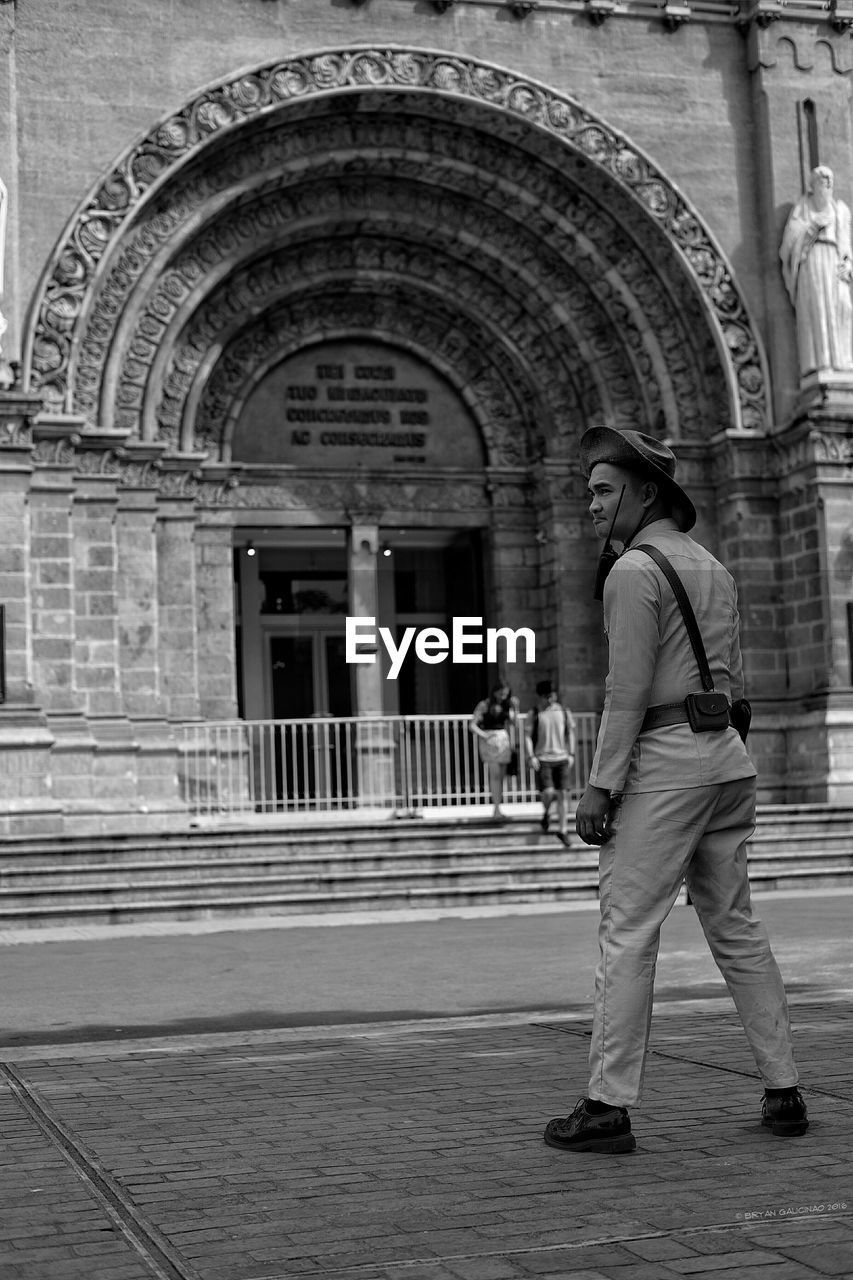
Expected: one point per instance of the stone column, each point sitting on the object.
(574, 652)
(52, 586)
(54, 617)
(748, 543)
(214, 600)
(26, 803)
(375, 764)
(96, 595)
(362, 551)
(217, 777)
(787, 536)
(253, 648)
(137, 603)
(111, 786)
(176, 601)
(16, 467)
(140, 652)
(512, 573)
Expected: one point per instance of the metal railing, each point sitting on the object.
(322, 765)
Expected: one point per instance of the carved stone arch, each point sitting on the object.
(508, 427)
(637, 362)
(64, 330)
(490, 337)
(510, 410)
(608, 335)
(671, 324)
(480, 303)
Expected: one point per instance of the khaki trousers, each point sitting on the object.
(659, 839)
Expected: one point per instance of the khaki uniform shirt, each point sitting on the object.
(652, 661)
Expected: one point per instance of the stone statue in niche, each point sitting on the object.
(817, 268)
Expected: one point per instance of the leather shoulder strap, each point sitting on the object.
(686, 611)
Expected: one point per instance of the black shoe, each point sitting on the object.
(785, 1115)
(609, 1132)
(563, 838)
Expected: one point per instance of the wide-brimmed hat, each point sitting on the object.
(644, 455)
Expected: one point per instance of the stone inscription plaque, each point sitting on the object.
(359, 404)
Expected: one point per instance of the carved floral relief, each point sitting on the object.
(520, 112)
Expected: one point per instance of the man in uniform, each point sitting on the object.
(665, 803)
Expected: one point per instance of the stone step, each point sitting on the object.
(282, 862)
(188, 908)
(342, 881)
(483, 893)
(300, 864)
(800, 844)
(380, 839)
(778, 820)
(430, 863)
(385, 837)
(337, 880)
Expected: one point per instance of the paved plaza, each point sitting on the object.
(411, 1149)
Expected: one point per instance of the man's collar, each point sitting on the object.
(666, 524)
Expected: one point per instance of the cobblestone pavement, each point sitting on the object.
(413, 1151)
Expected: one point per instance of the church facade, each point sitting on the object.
(307, 306)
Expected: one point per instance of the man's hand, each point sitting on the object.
(592, 819)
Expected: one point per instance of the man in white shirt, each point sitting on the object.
(667, 804)
(551, 744)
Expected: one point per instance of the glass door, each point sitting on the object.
(309, 675)
(291, 660)
(338, 676)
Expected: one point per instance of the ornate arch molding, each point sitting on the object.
(406, 253)
(510, 428)
(413, 289)
(531, 201)
(104, 218)
(626, 326)
(631, 331)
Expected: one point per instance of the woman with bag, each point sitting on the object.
(493, 723)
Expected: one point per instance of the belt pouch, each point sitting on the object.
(707, 712)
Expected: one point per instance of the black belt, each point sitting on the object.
(666, 713)
(662, 715)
